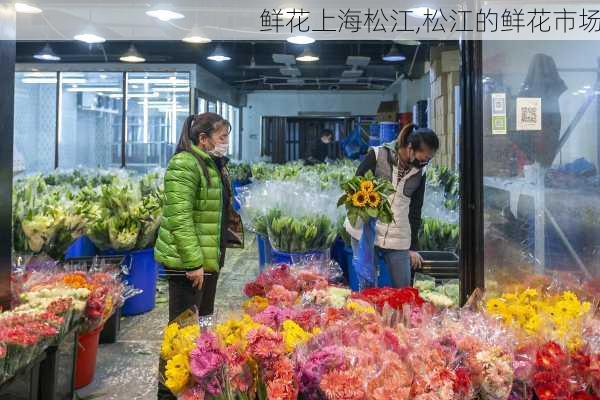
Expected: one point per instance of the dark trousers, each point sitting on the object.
(182, 295)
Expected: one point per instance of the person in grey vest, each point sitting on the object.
(402, 162)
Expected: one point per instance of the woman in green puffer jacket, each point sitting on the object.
(198, 220)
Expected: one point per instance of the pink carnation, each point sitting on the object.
(273, 316)
(265, 345)
(280, 296)
(206, 362)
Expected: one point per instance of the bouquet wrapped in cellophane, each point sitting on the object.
(367, 197)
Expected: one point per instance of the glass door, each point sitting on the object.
(541, 154)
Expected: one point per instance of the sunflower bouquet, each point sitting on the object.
(367, 197)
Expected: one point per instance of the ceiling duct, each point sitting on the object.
(355, 62)
(287, 59)
(290, 71)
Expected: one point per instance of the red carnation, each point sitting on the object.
(550, 356)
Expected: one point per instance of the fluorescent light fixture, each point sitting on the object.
(307, 56)
(164, 15)
(421, 12)
(143, 95)
(94, 89)
(408, 42)
(39, 74)
(157, 81)
(218, 55)
(103, 76)
(38, 80)
(300, 39)
(582, 91)
(196, 36)
(27, 9)
(74, 81)
(90, 38)
(394, 55)
(172, 90)
(587, 87)
(46, 54)
(575, 93)
(132, 56)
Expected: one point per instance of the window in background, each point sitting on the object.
(157, 105)
(90, 119)
(233, 118)
(202, 105)
(212, 107)
(35, 120)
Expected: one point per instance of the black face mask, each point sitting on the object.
(418, 163)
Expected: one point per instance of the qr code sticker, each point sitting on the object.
(499, 105)
(529, 115)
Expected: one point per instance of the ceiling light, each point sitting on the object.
(89, 89)
(196, 36)
(300, 39)
(394, 55)
(164, 15)
(46, 54)
(218, 55)
(582, 91)
(421, 12)
(307, 56)
(103, 76)
(408, 42)
(132, 56)
(27, 9)
(89, 38)
(38, 80)
(587, 87)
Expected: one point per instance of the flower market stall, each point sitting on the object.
(301, 336)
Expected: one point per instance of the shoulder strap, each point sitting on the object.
(202, 165)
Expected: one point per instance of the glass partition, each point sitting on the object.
(157, 106)
(90, 115)
(35, 121)
(541, 161)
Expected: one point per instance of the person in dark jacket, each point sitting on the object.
(320, 151)
(198, 221)
(402, 162)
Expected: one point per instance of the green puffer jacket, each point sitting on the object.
(190, 232)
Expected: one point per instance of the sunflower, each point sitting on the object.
(367, 186)
(374, 199)
(359, 199)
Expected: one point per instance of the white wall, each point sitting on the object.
(289, 103)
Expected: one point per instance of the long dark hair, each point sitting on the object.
(417, 138)
(197, 124)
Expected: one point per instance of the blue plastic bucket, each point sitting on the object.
(142, 275)
(350, 273)
(337, 254)
(264, 251)
(279, 257)
(82, 247)
(388, 131)
(374, 135)
(236, 187)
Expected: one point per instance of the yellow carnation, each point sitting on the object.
(177, 373)
(293, 335)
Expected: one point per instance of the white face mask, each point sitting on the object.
(220, 150)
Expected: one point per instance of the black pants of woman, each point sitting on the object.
(182, 296)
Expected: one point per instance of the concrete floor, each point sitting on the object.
(128, 369)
